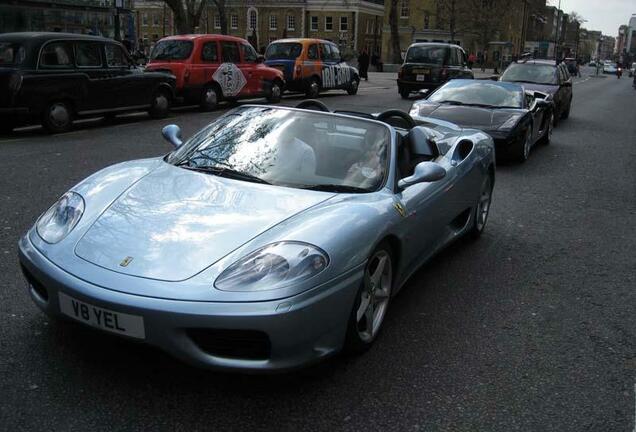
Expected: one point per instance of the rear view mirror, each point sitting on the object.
(172, 134)
(424, 172)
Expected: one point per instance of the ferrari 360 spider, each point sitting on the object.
(270, 239)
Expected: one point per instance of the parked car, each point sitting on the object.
(269, 240)
(429, 65)
(312, 66)
(210, 68)
(517, 119)
(53, 78)
(547, 77)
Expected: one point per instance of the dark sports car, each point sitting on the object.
(516, 119)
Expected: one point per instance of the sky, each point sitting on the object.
(603, 15)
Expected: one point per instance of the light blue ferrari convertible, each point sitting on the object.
(270, 239)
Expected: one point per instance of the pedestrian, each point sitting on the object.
(471, 60)
(363, 64)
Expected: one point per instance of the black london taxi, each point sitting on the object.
(429, 65)
(54, 78)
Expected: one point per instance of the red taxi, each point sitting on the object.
(211, 68)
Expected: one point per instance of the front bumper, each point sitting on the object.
(300, 330)
(417, 85)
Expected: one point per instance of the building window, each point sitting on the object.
(234, 21)
(404, 9)
(328, 23)
(217, 21)
(314, 23)
(251, 19)
(273, 22)
(155, 19)
(144, 19)
(291, 22)
(344, 23)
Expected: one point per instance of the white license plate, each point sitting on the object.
(420, 77)
(115, 322)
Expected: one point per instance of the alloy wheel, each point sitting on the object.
(374, 296)
(483, 207)
(59, 115)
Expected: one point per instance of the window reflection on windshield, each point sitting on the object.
(479, 93)
(292, 148)
(531, 73)
(171, 50)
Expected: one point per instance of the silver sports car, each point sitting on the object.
(270, 239)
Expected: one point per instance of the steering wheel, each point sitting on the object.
(313, 104)
(385, 116)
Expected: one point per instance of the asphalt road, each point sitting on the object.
(531, 328)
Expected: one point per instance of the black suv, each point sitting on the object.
(52, 78)
(429, 65)
(547, 77)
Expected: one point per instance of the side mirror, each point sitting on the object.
(172, 134)
(540, 103)
(424, 93)
(260, 58)
(494, 77)
(424, 172)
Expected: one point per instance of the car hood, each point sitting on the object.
(468, 116)
(173, 223)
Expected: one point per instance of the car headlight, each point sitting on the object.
(274, 266)
(510, 123)
(61, 218)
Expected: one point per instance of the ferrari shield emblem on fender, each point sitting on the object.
(126, 261)
(400, 209)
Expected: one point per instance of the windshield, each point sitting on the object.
(530, 73)
(473, 92)
(11, 54)
(427, 54)
(283, 50)
(290, 148)
(171, 50)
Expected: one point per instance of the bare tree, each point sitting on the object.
(220, 7)
(187, 14)
(396, 51)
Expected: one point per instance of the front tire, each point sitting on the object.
(482, 209)
(372, 301)
(57, 117)
(523, 150)
(160, 105)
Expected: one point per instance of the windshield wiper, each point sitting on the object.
(226, 172)
(452, 102)
(334, 188)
